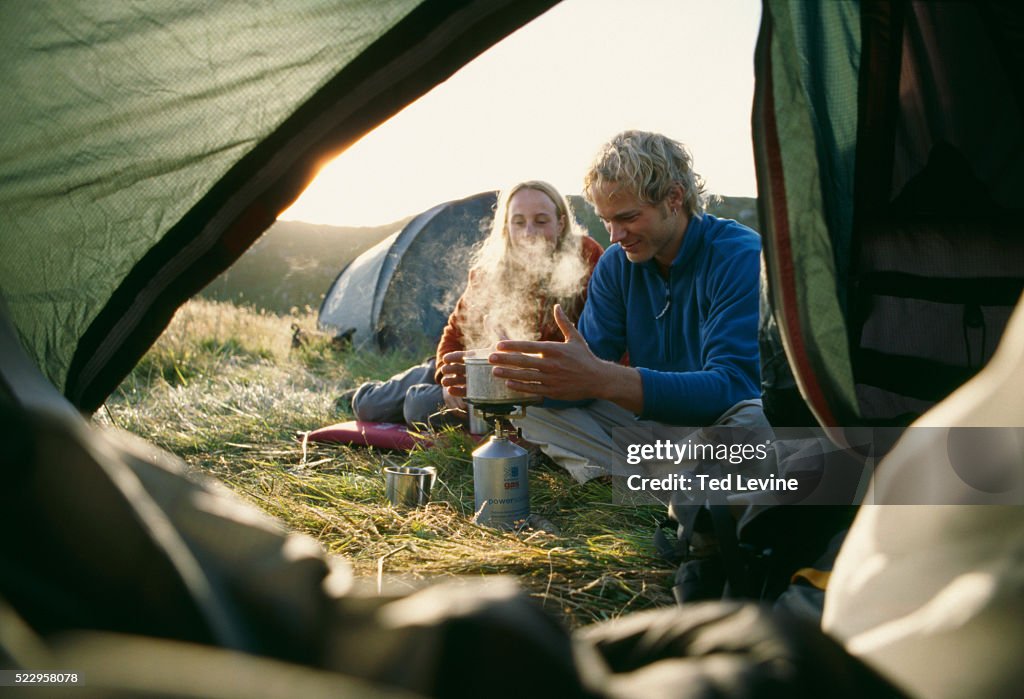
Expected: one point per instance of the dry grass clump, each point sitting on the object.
(224, 389)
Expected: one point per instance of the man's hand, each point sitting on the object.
(453, 377)
(566, 370)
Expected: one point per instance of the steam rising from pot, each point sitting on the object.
(514, 296)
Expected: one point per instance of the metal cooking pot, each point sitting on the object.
(484, 388)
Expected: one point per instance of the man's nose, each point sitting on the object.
(616, 231)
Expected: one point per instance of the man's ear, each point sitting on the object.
(676, 196)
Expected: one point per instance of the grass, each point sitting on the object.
(224, 389)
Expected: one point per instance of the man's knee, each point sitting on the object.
(746, 413)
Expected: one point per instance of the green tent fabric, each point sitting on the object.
(147, 145)
(889, 143)
(806, 115)
(395, 295)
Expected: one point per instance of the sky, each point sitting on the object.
(538, 104)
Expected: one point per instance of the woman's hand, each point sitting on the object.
(453, 377)
(453, 402)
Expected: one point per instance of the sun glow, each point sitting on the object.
(538, 104)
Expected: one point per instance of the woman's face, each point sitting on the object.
(533, 221)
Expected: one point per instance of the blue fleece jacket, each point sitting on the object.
(693, 336)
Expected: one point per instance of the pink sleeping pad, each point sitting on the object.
(385, 435)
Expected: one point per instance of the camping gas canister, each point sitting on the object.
(501, 492)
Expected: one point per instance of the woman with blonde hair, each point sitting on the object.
(533, 258)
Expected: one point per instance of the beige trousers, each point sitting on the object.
(585, 441)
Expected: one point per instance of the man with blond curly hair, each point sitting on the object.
(668, 335)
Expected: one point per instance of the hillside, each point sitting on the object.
(742, 209)
(293, 264)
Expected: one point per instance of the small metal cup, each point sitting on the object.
(409, 486)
